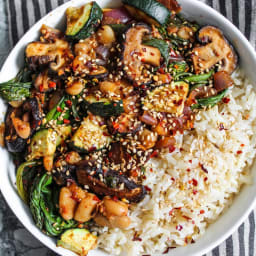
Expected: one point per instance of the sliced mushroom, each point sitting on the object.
(56, 54)
(21, 123)
(216, 50)
(82, 64)
(50, 34)
(110, 183)
(135, 54)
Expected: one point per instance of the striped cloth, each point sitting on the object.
(24, 13)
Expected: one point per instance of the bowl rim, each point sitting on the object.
(212, 244)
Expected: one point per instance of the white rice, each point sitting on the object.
(179, 184)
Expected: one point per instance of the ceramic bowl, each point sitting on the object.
(243, 203)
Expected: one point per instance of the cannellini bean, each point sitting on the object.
(101, 221)
(86, 207)
(21, 127)
(67, 204)
(77, 193)
(106, 35)
(48, 162)
(120, 221)
(75, 88)
(147, 138)
(114, 208)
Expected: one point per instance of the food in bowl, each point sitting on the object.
(132, 130)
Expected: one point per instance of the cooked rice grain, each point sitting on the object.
(192, 186)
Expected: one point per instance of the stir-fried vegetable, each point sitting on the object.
(19, 179)
(43, 210)
(209, 102)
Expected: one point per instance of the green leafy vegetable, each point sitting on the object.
(178, 68)
(17, 88)
(19, 179)
(209, 102)
(198, 78)
(161, 45)
(43, 210)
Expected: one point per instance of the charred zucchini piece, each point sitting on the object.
(83, 21)
(150, 11)
(104, 107)
(78, 240)
(91, 135)
(168, 99)
(45, 141)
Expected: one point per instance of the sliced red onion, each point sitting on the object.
(116, 16)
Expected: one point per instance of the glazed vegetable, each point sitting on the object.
(178, 67)
(104, 107)
(161, 100)
(83, 21)
(112, 185)
(91, 135)
(161, 45)
(135, 55)
(209, 102)
(222, 52)
(19, 179)
(198, 78)
(150, 11)
(78, 240)
(43, 209)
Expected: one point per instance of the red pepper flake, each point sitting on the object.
(193, 222)
(41, 87)
(188, 170)
(134, 173)
(143, 60)
(115, 125)
(147, 188)
(161, 71)
(66, 121)
(226, 100)
(173, 179)
(186, 217)
(239, 152)
(171, 212)
(92, 148)
(205, 179)
(115, 198)
(168, 248)
(195, 191)
(110, 154)
(152, 54)
(52, 84)
(221, 127)
(143, 86)
(68, 103)
(171, 149)
(179, 227)
(194, 182)
(242, 145)
(154, 154)
(59, 109)
(190, 161)
(151, 170)
(202, 211)
(105, 134)
(115, 104)
(144, 49)
(203, 168)
(136, 237)
(95, 198)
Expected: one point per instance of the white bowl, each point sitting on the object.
(243, 204)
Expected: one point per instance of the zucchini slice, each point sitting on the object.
(150, 11)
(78, 240)
(91, 135)
(104, 107)
(169, 98)
(45, 141)
(83, 21)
